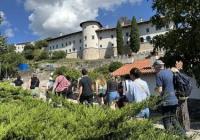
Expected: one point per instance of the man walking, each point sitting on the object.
(85, 88)
(182, 110)
(165, 87)
(139, 91)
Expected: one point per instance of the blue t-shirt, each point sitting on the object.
(164, 79)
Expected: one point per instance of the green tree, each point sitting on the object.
(114, 66)
(9, 63)
(119, 38)
(135, 37)
(2, 40)
(41, 44)
(29, 51)
(58, 55)
(184, 40)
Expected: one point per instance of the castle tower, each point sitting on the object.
(90, 39)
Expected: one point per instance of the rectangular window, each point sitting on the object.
(85, 45)
(147, 30)
(100, 46)
(100, 38)
(167, 26)
(127, 42)
(80, 40)
(69, 50)
(74, 49)
(73, 41)
(112, 36)
(85, 37)
(70, 43)
(80, 48)
(92, 36)
(66, 51)
(158, 28)
(127, 34)
(56, 46)
(62, 45)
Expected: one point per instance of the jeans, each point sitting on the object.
(169, 119)
(112, 96)
(143, 113)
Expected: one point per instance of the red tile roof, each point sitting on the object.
(145, 67)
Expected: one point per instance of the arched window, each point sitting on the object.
(141, 39)
(148, 38)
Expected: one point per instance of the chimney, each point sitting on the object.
(60, 34)
(141, 20)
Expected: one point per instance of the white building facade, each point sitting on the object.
(19, 48)
(96, 42)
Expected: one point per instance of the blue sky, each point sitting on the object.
(29, 20)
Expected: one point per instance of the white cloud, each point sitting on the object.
(9, 32)
(51, 17)
(4, 19)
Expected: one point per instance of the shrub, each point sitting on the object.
(72, 73)
(28, 118)
(58, 55)
(114, 66)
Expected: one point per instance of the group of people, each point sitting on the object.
(131, 88)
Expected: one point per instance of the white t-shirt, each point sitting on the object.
(139, 90)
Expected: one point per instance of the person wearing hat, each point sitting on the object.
(165, 88)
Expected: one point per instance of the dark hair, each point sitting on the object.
(84, 71)
(127, 76)
(135, 72)
(68, 77)
(18, 77)
(173, 59)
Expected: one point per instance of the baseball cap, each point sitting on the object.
(158, 63)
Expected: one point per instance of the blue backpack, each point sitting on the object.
(182, 84)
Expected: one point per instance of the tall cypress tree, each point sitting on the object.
(135, 37)
(119, 38)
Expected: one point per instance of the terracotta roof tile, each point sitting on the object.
(145, 67)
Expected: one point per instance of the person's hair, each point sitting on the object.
(59, 72)
(68, 77)
(135, 72)
(18, 77)
(84, 71)
(127, 77)
(101, 80)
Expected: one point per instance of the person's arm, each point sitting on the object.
(80, 90)
(29, 84)
(158, 88)
(55, 85)
(97, 91)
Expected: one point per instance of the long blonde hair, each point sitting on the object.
(101, 80)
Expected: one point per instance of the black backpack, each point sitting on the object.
(182, 84)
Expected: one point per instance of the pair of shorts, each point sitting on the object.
(112, 96)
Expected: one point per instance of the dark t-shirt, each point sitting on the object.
(111, 86)
(86, 83)
(164, 79)
(18, 82)
(35, 82)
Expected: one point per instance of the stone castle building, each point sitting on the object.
(96, 42)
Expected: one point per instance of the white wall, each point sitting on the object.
(195, 90)
(69, 44)
(19, 48)
(150, 79)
